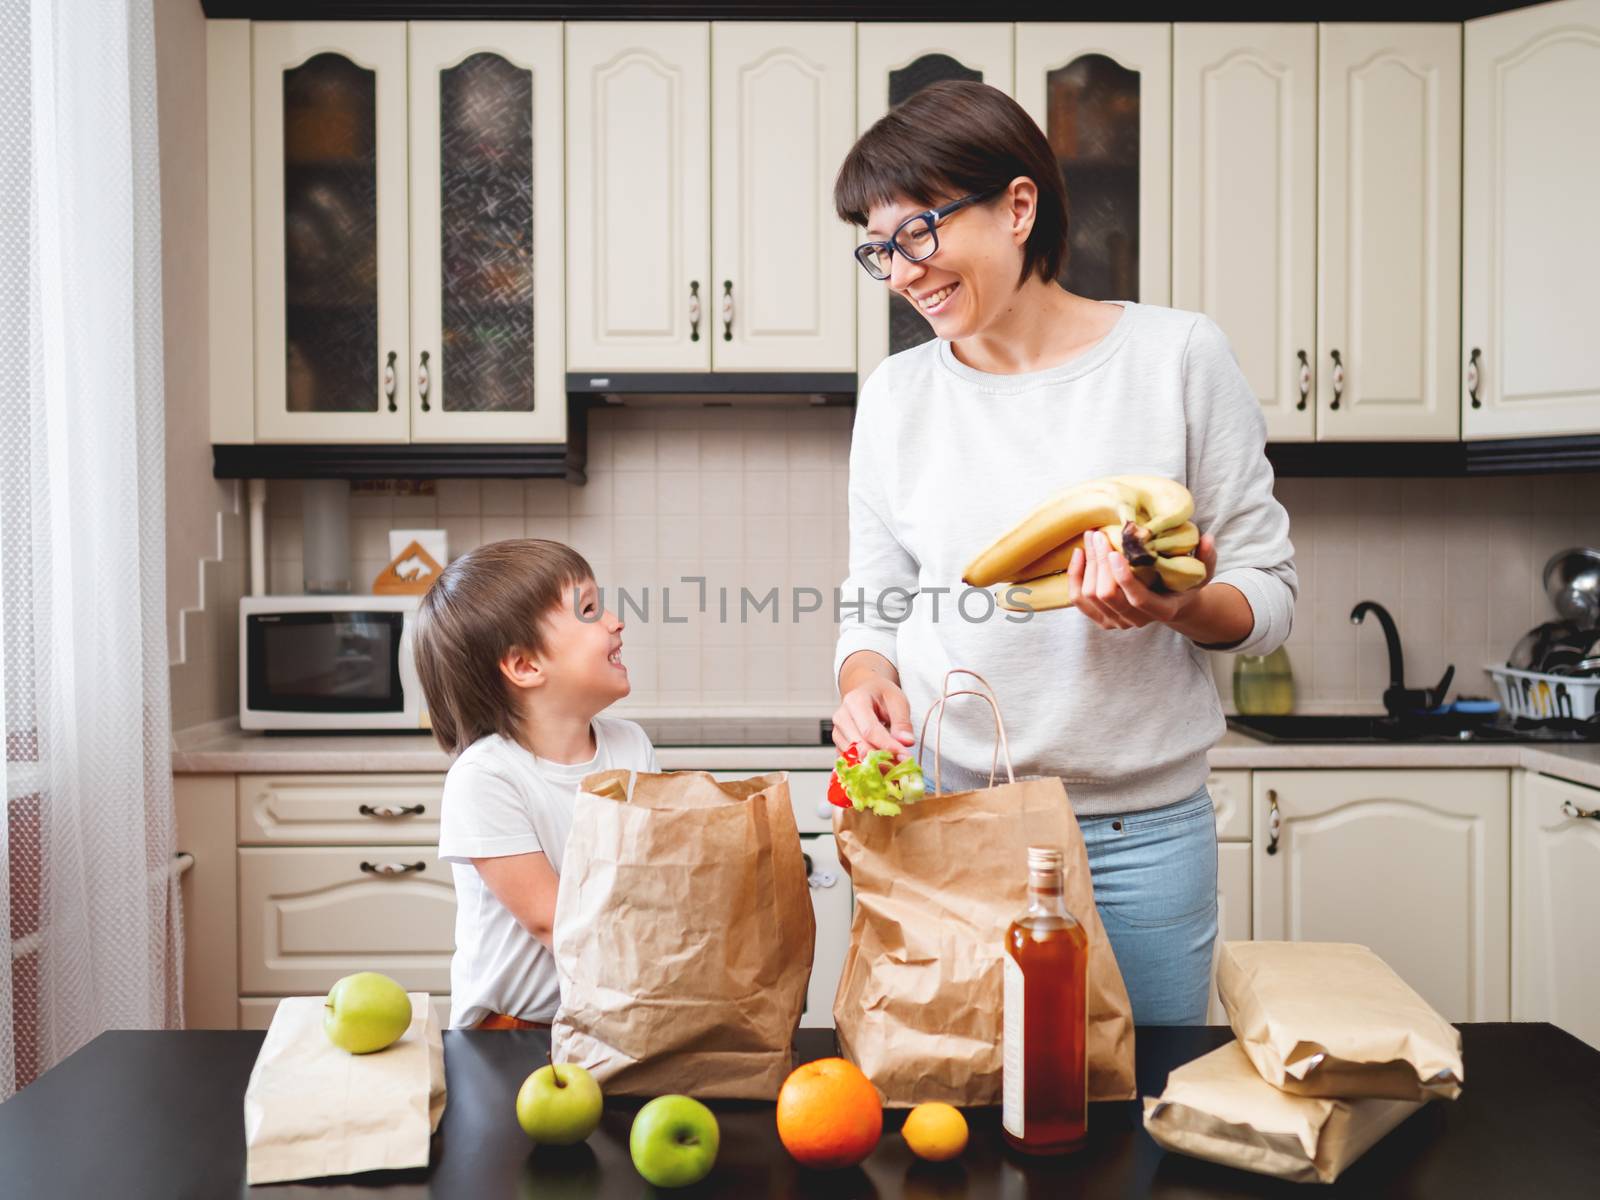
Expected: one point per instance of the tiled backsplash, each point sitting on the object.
(756, 499)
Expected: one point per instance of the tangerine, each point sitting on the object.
(829, 1114)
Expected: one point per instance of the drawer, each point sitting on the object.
(339, 810)
(1230, 793)
(808, 794)
(255, 1012)
(308, 916)
(831, 902)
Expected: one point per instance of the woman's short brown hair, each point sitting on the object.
(485, 604)
(954, 138)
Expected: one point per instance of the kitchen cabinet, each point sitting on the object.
(894, 62)
(700, 164)
(256, 1012)
(1414, 864)
(1230, 795)
(1555, 968)
(1388, 232)
(1531, 361)
(406, 209)
(487, 268)
(1244, 140)
(1102, 94)
(331, 307)
(209, 895)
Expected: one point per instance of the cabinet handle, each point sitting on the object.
(390, 380)
(1305, 381)
(389, 869)
(1474, 372)
(1338, 378)
(1569, 809)
(422, 379)
(389, 810)
(727, 310)
(1274, 821)
(694, 310)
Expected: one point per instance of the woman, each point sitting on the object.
(1026, 389)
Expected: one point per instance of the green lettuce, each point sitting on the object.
(871, 789)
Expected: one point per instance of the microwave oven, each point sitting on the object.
(316, 663)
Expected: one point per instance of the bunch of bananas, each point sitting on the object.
(1144, 516)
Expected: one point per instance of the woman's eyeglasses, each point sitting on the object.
(915, 238)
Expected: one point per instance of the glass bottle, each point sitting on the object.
(1046, 1034)
(1263, 685)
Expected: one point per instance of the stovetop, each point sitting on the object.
(753, 731)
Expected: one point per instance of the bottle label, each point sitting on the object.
(1011, 1115)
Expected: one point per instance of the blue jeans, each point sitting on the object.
(1155, 884)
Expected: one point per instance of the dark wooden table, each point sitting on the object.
(137, 1114)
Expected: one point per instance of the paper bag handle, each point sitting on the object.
(938, 733)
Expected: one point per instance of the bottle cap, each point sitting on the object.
(1044, 858)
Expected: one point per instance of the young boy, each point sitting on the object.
(517, 660)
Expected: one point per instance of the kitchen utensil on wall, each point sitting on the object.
(1572, 581)
(325, 535)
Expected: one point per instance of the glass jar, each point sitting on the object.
(1263, 684)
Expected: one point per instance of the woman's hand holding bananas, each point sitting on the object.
(1122, 550)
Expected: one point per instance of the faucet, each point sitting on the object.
(1399, 700)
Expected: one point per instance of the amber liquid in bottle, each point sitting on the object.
(1046, 1050)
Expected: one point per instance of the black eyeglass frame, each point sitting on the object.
(933, 216)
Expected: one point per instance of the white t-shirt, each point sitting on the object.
(499, 799)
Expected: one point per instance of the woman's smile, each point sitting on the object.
(932, 303)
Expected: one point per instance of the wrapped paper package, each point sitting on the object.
(1332, 1019)
(1219, 1109)
(312, 1109)
(920, 1001)
(683, 934)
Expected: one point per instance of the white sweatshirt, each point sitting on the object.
(944, 458)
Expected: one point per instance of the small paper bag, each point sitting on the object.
(1333, 1019)
(683, 934)
(312, 1109)
(1219, 1109)
(920, 1003)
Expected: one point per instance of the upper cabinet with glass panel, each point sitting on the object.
(330, 232)
(1102, 95)
(486, 229)
(893, 63)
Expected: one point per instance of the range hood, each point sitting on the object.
(713, 389)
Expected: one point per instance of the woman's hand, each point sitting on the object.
(875, 714)
(1111, 596)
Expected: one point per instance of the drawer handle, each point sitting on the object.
(1569, 809)
(1274, 822)
(388, 810)
(393, 868)
(816, 878)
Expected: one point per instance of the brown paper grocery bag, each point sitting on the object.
(312, 1109)
(919, 1004)
(1333, 1019)
(683, 934)
(1219, 1109)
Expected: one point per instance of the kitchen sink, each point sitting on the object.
(1363, 727)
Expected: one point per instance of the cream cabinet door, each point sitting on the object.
(256, 1012)
(1102, 93)
(357, 809)
(1233, 911)
(782, 120)
(331, 304)
(309, 916)
(831, 904)
(1531, 172)
(1244, 203)
(1555, 965)
(1388, 232)
(638, 196)
(488, 353)
(894, 62)
(1413, 864)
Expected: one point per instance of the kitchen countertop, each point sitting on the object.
(161, 1114)
(223, 748)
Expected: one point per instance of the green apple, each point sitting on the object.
(673, 1141)
(366, 1012)
(559, 1104)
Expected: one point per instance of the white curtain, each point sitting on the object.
(88, 900)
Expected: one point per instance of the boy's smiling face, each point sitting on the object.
(581, 667)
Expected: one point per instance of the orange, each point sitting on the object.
(829, 1114)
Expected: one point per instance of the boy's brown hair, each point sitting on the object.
(485, 604)
(954, 138)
